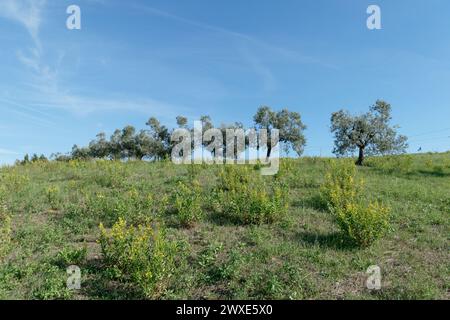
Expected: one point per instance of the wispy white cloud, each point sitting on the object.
(6, 152)
(26, 12)
(164, 14)
(85, 105)
(29, 14)
(280, 51)
(250, 51)
(43, 88)
(264, 72)
(38, 101)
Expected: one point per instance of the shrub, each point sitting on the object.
(13, 181)
(340, 185)
(287, 167)
(363, 224)
(113, 174)
(50, 284)
(156, 205)
(193, 170)
(139, 255)
(247, 199)
(360, 222)
(232, 177)
(188, 203)
(5, 230)
(143, 206)
(137, 207)
(52, 197)
(250, 205)
(71, 256)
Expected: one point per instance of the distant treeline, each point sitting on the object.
(155, 143)
(34, 158)
(366, 134)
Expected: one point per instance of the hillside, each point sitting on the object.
(51, 213)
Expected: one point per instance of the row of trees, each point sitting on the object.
(368, 134)
(32, 159)
(154, 142)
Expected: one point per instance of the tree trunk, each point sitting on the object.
(360, 157)
(269, 150)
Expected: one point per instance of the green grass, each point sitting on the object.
(55, 210)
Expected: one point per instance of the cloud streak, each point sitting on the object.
(43, 90)
(250, 49)
(6, 152)
(26, 12)
(82, 105)
(283, 52)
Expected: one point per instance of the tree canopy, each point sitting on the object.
(288, 123)
(370, 133)
(154, 142)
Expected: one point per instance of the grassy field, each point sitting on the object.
(51, 214)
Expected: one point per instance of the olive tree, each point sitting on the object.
(99, 148)
(288, 123)
(144, 145)
(370, 133)
(161, 138)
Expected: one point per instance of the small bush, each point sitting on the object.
(362, 223)
(5, 231)
(13, 181)
(71, 256)
(137, 207)
(340, 184)
(193, 170)
(248, 199)
(113, 174)
(139, 255)
(253, 205)
(287, 167)
(232, 177)
(52, 194)
(50, 284)
(188, 203)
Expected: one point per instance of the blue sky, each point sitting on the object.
(136, 59)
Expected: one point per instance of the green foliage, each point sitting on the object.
(193, 170)
(52, 194)
(207, 261)
(362, 222)
(188, 203)
(219, 265)
(246, 198)
(112, 174)
(300, 258)
(133, 205)
(51, 283)
(290, 126)
(5, 230)
(34, 159)
(156, 143)
(72, 256)
(232, 177)
(369, 133)
(13, 181)
(139, 255)
(391, 164)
